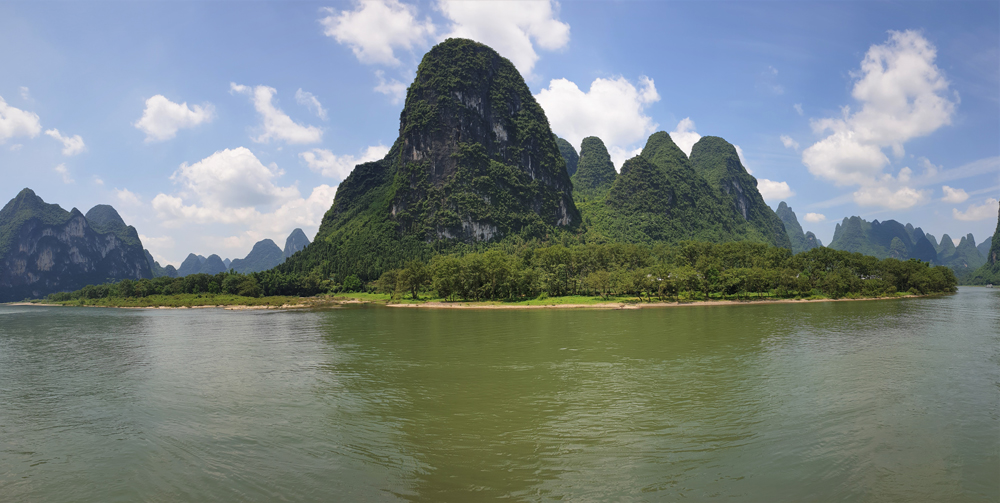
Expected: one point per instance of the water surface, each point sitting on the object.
(843, 401)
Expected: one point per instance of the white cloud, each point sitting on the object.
(233, 188)
(798, 108)
(311, 102)
(72, 145)
(98, 181)
(788, 142)
(814, 217)
(512, 28)
(275, 124)
(891, 192)
(15, 147)
(127, 197)
(25, 93)
(61, 169)
(392, 88)
(338, 167)
(685, 136)
(954, 196)
(375, 28)
(903, 95)
(16, 122)
(233, 179)
(162, 118)
(743, 159)
(613, 110)
(974, 212)
(619, 155)
(774, 191)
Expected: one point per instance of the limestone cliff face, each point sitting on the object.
(45, 249)
(717, 160)
(475, 161)
(477, 157)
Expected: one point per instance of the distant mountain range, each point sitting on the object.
(264, 255)
(893, 239)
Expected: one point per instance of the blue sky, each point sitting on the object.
(212, 125)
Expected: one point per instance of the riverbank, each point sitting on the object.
(237, 303)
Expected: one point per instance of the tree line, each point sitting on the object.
(690, 270)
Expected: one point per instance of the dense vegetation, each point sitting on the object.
(569, 155)
(475, 161)
(988, 273)
(595, 172)
(801, 241)
(659, 197)
(687, 271)
(691, 270)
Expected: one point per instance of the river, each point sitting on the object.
(890, 400)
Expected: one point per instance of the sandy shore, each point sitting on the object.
(314, 302)
(626, 305)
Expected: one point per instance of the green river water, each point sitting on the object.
(894, 400)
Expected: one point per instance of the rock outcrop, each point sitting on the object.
(295, 242)
(45, 249)
(475, 161)
(801, 241)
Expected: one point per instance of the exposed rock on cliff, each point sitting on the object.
(46, 249)
(475, 161)
(295, 241)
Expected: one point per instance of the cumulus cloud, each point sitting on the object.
(15, 147)
(127, 197)
(72, 145)
(984, 211)
(25, 93)
(232, 187)
(61, 169)
(16, 122)
(233, 179)
(902, 95)
(162, 118)
(814, 217)
(311, 102)
(788, 142)
(685, 136)
(394, 89)
(276, 124)
(511, 27)
(954, 196)
(774, 191)
(375, 28)
(743, 159)
(612, 109)
(798, 108)
(338, 167)
(98, 181)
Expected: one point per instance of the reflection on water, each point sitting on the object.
(859, 401)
